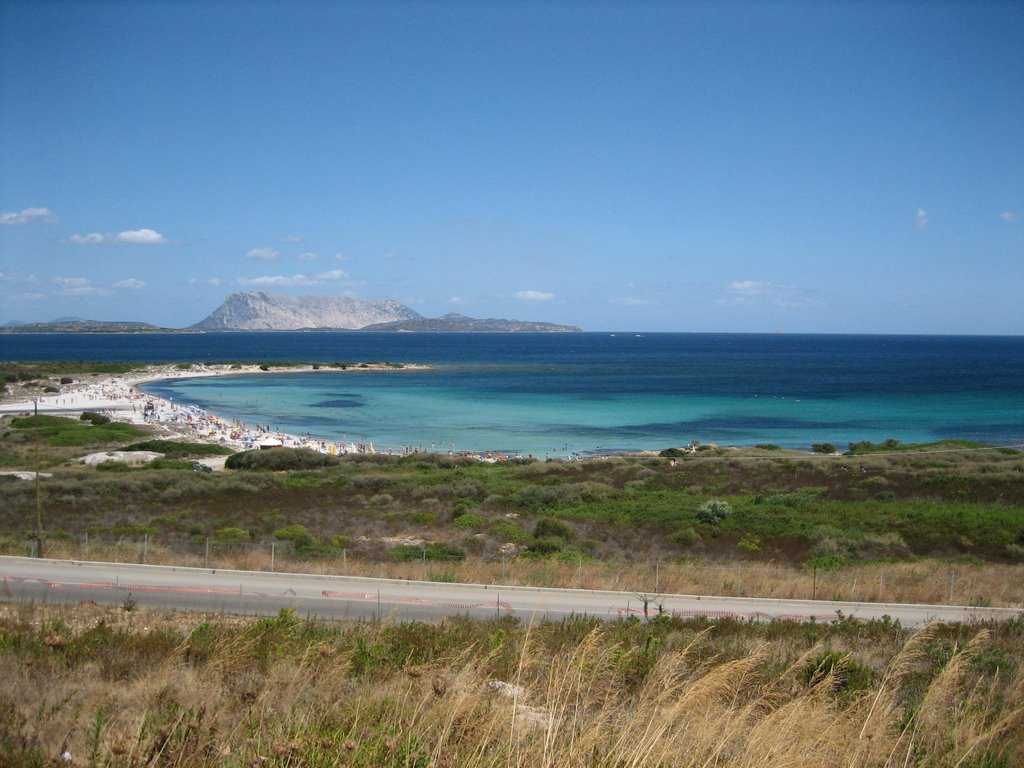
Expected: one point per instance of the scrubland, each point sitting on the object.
(129, 687)
(935, 524)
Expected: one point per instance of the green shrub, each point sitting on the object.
(546, 545)
(423, 518)
(280, 459)
(750, 543)
(469, 521)
(232, 535)
(94, 418)
(549, 527)
(291, 532)
(673, 453)
(828, 448)
(172, 448)
(435, 550)
(686, 535)
(506, 529)
(713, 512)
(833, 562)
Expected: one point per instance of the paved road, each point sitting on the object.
(259, 593)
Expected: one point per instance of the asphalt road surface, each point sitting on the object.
(335, 597)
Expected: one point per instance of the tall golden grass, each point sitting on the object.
(280, 693)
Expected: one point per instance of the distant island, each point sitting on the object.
(86, 326)
(262, 311)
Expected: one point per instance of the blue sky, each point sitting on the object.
(726, 166)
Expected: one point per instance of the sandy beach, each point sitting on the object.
(121, 398)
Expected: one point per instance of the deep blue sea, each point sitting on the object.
(550, 394)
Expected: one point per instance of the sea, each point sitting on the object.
(563, 394)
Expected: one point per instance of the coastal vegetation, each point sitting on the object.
(783, 519)
(129, 686)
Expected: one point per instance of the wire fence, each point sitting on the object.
(929, 581)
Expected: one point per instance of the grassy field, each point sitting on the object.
(127, 687)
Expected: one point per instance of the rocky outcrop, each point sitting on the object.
(262, 311)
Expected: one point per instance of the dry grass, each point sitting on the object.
(286, 693)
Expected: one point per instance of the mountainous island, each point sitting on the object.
(262, 311)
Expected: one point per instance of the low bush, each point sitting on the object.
(435, 550)
(549, 527)
(713, 512)
(174, 448)
(509, 531)
(280, 459)
(469, 521)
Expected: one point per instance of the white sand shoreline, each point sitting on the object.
(122, 398)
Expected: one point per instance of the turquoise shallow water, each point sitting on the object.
(593, 392)
(423, 410)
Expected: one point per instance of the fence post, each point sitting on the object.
(952, 584)
(145, 546)
(206, 561)
(273, 544)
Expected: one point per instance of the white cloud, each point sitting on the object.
(1008, 216)
(742, 292)
(308, 256)
(210, 281)
(128, 237)
(274, 280)
(77, 286)
(754, 287)
(131, 283)
(27, 216)
(921, 218)
(17, 277)
(333, 276)
(534, 296)
(94, 238)
(630, 301)
(291, 239)
(70, 282)
(455, 300)
(140, 237)
(340, 257)
(263, 254)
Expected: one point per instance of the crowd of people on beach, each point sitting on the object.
(122, 399)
